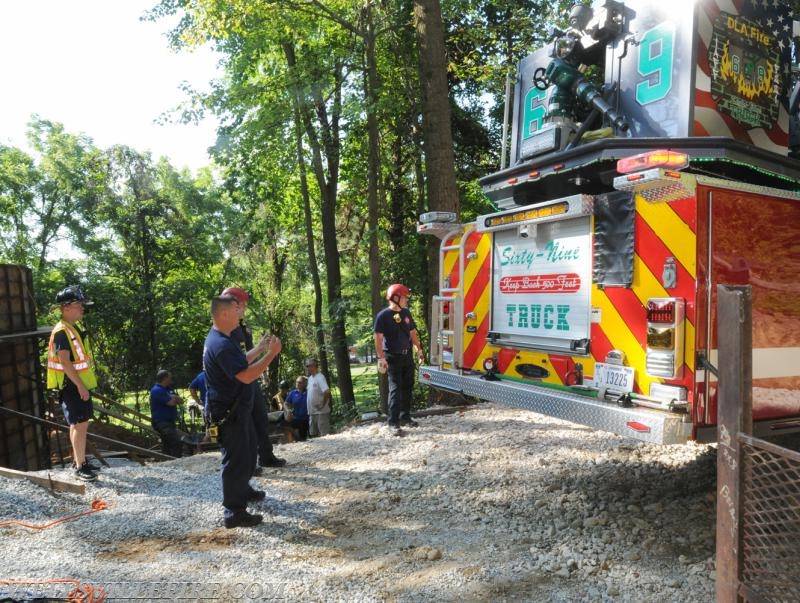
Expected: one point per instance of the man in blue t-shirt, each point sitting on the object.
(229, 382)
(197, 390)
(297, 400)
(164, 413)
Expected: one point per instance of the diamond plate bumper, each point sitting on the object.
(644, 424)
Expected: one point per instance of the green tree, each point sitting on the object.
(71, 182)
(19, 180)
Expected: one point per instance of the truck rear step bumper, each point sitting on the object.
(644, 424)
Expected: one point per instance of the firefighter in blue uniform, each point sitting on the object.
(395, 340)
(243, 336)
(230, 381)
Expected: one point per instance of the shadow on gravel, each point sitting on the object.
(628, 493)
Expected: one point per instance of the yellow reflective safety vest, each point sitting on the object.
(82, 358)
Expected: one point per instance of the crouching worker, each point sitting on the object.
(70, 370)
(164, 414)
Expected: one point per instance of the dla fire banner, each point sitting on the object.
(542, 281)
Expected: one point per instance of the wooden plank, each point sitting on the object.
(46, 482)
(117, 443)
(120, 406)
(147, 426)
(734, 416)
(43, 332)
(122, 417)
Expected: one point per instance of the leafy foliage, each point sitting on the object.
(321, 113)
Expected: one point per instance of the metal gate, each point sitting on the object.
(758, 482)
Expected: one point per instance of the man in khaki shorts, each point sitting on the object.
(319, 401)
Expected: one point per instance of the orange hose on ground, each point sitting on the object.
(80, 594)
(97, 505)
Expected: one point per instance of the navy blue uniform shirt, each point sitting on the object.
(199, 383)
(396, 326)
(222, 361)
(243, 336)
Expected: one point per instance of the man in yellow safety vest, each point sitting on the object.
(70, 370)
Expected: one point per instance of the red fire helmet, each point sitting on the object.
(237, 292)
(398, 289)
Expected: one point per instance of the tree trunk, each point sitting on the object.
(319, 332)
(441, 187)
(328, 143)
(436, 131)
(373, 161)
(373, 178)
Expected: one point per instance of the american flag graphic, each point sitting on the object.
(771, 20)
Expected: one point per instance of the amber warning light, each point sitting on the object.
(662, 312)
(653, 159)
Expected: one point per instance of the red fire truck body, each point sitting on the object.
(590, 295)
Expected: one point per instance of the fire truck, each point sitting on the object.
(650, 161)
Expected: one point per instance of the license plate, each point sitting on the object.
(613, 376)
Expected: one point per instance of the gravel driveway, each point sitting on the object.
(493, 504)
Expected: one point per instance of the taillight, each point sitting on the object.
(665, 337)
(661, 311)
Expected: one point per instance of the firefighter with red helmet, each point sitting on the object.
(243, 337)
(396, 340)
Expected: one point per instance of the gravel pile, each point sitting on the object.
(493, 504)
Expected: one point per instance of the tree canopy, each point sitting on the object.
(318, 178)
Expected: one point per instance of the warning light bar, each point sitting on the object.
(653, 159)
(558, 209)
(525, 215)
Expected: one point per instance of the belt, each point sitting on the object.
(399, 352)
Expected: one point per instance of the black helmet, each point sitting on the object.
(72, 294)
(285, 384)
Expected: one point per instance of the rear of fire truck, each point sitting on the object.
(649, 163)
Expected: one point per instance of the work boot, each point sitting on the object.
(408, 422)
(243, 519)
(256, 495)
(273, 462)
(91, 464)
(85, 473)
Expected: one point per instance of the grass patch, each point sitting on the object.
(365, 387)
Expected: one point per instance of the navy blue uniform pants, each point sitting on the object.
(401, 385)
(237, 442)
(170, 441)
(263, 443)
